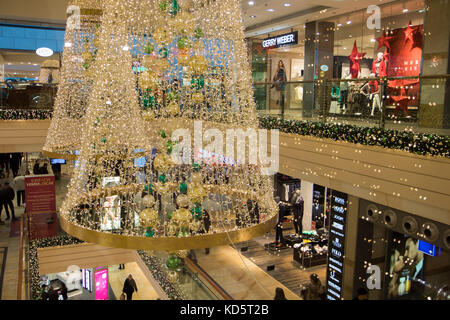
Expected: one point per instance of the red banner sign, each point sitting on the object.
(40, 194)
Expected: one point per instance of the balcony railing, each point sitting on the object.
(419, 104)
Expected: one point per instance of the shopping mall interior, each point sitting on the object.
(225, 150)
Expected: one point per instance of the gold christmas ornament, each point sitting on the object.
(148, 80)
(173, 108)
(198, 64)
(148, 217)
(163, 36)
(197, 97)
(182, 216)
(196, 194)
(172, 276)
(182, 200)
(148, 201)
(162, 162)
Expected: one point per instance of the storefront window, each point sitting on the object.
(356, 67)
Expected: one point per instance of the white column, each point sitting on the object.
(307, 194)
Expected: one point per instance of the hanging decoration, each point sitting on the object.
(117, 196)
(355, 61)
(81, 42)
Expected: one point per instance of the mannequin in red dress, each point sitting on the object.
(379, 66)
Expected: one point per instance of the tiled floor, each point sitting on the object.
(240, 277)
(117, 278)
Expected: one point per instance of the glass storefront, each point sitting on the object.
(356, 67)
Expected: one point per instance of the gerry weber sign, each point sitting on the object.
(282, 40)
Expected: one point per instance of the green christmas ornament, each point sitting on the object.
(86, 65)
(149, 47)
(162, 53)
(197, 211)
(163, 5)
(198, 33)
(173, 262)
(173, 96)
(169, 146)
(103, 140)
(174, 7)
(162, 133)
(162, 178)
(148, 187)
(169, 215)
(149, 233)
(183, 233)
(196, 166)
(198, 83)
(183, 43)
(149, 101)
(183, 187)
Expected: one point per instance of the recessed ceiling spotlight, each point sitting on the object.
(251, 3)
(252, 16)
(405, 10)
(339, 25)
(44, 52)
(373, 40)
(287, 4)
(349, 21)
(270, 10)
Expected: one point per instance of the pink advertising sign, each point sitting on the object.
(101, 284)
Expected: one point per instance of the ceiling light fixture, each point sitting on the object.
(287, 4)
(252, 16)
(405, 10)
(349, 22)
(44, 52)
(270, 10)
(250, 3)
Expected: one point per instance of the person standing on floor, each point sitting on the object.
(19, 185)
(9, 197)
(14, 163)
(129, 287)
(36, 167)
(64, 291)
(3, 196)
(315, 290)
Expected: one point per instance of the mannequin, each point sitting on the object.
(298, 207)
(379, 66)
(344, 85)
(374, 95)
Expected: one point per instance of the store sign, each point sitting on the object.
(336, 246)
(282, 40)
(101, 284)
(40, 194)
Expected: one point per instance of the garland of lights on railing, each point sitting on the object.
(154, 264)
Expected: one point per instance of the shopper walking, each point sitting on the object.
(129, 287)
(279, 294)
(19, 185)
(9, 197)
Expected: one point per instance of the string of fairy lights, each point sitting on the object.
(156, 62)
